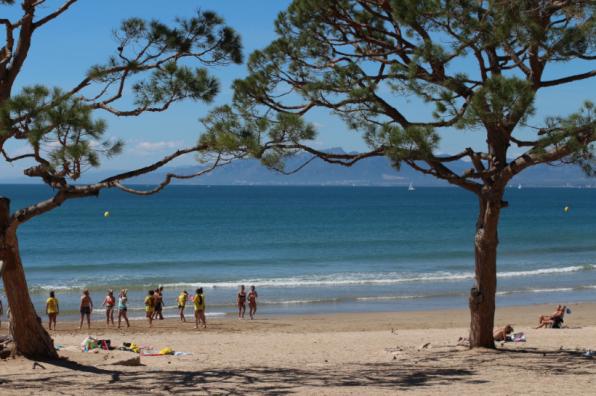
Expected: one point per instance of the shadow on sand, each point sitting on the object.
(421, 371)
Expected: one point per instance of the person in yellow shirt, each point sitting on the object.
(199, 303)
(182, 298)
(150, 307)
(52, 309)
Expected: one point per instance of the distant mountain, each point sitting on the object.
(376, 171)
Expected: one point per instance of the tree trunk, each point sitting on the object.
(31, 339)
(482, 295)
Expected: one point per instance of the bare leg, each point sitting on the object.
(88, 320)
(82, 318)
(202, 316)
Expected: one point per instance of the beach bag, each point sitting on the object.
(88, 344)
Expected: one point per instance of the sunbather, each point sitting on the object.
(502, 333)
(554, 320)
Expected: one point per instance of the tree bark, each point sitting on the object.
(31, 339)
(482, 295)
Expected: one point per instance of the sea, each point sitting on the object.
(307, 250)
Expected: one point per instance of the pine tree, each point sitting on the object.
(159, 63)
(475, 64)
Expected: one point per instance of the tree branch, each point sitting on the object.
(568, 79)
(54, 14)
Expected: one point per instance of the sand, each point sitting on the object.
(373, 353)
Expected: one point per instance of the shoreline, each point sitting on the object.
(523, 315)
(337, 354)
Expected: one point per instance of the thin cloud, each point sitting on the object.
(152, 147)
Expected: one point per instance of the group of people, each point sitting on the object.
(154, 304)
(252, 302)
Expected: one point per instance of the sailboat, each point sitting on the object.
(411, 187)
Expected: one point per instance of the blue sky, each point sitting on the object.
(63, 50)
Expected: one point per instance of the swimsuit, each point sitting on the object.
(86, 306)
(122, 304)
(52, 304)
(252, 298)
(158, 303)
(149, 302)
(199, 302)
(241, 298)
(181, 301)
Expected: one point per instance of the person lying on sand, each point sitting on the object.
(502, 333)
(553, 320)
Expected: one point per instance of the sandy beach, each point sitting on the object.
(376, 353)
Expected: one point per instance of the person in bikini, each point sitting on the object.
(86, 308)
(52, 310)
(122, 307)
(182, 298)
(109, 302)
(252, 302)
(241, 302)
(554, 320)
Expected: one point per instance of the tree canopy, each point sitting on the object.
(475, 64)
(154, 66)
(159, 64)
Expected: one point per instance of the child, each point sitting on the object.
(109, 303)
(241, 301)
(150, 306)
(86, 308)
(199, 303)
(182, 298)
(122, 308)
(52, 310)
(252, 302)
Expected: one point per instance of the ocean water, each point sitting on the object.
(306, 249)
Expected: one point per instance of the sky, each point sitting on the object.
(63, 50)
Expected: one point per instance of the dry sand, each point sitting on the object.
(376, 353)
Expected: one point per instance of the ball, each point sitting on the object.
(566, 209)
(106, 214)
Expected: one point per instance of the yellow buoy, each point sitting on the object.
(566, 209)
(106, 214)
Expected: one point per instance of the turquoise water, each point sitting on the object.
(307, 249)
